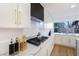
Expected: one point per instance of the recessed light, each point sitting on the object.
(73, 6)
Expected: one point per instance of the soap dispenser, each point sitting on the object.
(11, 47)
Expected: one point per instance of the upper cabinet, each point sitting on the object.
(23, 15)
(13, 15)
(37, 11)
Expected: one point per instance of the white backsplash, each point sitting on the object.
(7, 34)
(33, 31)
(5, 37)
(30, 32)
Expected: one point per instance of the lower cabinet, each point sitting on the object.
(42, 52)
(77, 47)
(46, 49)
(66, 40)
(50, 47)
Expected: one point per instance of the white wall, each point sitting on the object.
(48, 24)
(35, 28)
(48, 21)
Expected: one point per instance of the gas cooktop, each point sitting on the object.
(37, 41)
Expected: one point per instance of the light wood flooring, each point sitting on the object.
(60, 50)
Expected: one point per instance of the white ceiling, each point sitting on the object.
(62, 9)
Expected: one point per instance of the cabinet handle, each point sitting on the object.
(18, 17)
(15, 16)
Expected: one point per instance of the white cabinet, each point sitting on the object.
(7, 17)
(42, 52)
(72, 41)
(47, 48)
(58, 39)
(14, 15)
(77, 47)
(24, 15)
(66, 40)
(50, 45)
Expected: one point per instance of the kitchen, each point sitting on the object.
(17, 23)
(28, 29)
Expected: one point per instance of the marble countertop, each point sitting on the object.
(31, 49)
(66, 34)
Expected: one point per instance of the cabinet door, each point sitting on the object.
(77, 47)
(7, 14)
(73, 42)
(58, 39)
(50, 47)
(42, 52)
(14, 15)
(65, 40)
(47, 49)
(24, 15)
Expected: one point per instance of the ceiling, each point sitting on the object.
(62, 9)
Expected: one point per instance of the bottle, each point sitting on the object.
(11, 47)
(49, 33)
(24, 43)
(20, 43)
(16, 45)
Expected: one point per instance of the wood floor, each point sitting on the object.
(60, 50)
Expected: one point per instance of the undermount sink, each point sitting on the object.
(37, 41)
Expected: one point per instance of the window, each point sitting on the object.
(66, 27)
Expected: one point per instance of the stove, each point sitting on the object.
(37, 41)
